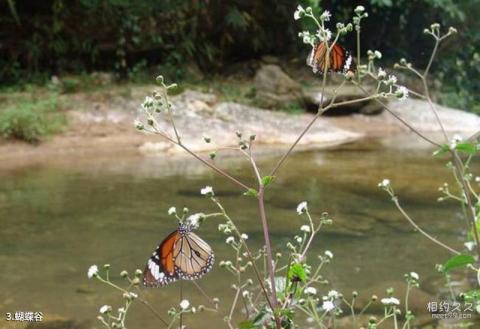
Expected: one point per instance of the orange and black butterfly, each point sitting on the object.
(338, 61)
(183, 255)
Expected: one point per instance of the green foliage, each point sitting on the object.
(55, 37)
(293, 107)
(458, 261)
(31, 120)
(251, 192)
(266, 180)
(297, 272)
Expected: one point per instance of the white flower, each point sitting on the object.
(132, 295)
(302, 207)
(325, 16)
(348, 62)
(414, 275)
(148, 102)
(329, 254)
(359, 9)
(390, 301)
(308, 38)
(298, 13)
(230, 240)
(207, 190)
(377, 54)
(92, 271)
(333, 294)
(401, 93)
(172, 211)
(105, 308)
(328, 305)
(184, 304)
(324, 35)
(305, 228)
(245, 294)
(384, 183)
(381, 74)
(469, 245)
(391, 80)
(298, 239)
(310, 291)
(455, 140)
(477, 179)
(244, 236)
(193, 220)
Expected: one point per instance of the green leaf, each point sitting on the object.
(442, 150)
(261, 317)
(266, 180)
(466, 147)
(297, 271)
(471, 296)
(247, 325)
(251, 192)
(458, 261)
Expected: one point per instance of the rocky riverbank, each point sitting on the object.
(104, 126)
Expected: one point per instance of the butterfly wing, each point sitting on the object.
(317, 58)
(338, 60)
(193, 257)
(160, 268)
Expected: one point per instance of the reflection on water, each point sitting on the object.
(57, 220)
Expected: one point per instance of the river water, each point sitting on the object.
(59, 218)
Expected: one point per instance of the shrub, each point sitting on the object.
(31, 120)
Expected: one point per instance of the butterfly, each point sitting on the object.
(183, 255)
(338, 61)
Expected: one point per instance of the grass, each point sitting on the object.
(31, 120)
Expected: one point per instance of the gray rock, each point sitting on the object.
(419, 114)
(274, 88)
(313, 98)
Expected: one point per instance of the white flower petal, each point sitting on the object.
(92, 271)
(328, 305)
(302, 207)
(184, 304)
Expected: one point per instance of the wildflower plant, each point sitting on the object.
(285, 288)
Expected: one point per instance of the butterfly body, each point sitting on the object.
(182, 255)
(339, 60)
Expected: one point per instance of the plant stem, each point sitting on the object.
(414, 130)
(412, 222)
(196, 156)
(472, 218)
(268, 247)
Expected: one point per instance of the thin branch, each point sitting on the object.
(205, 162)
(412, 222)
(400, 119)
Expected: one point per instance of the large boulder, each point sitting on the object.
(313, 99)
(422, 117)
(274, 88)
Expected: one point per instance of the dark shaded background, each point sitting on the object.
(42, 38)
